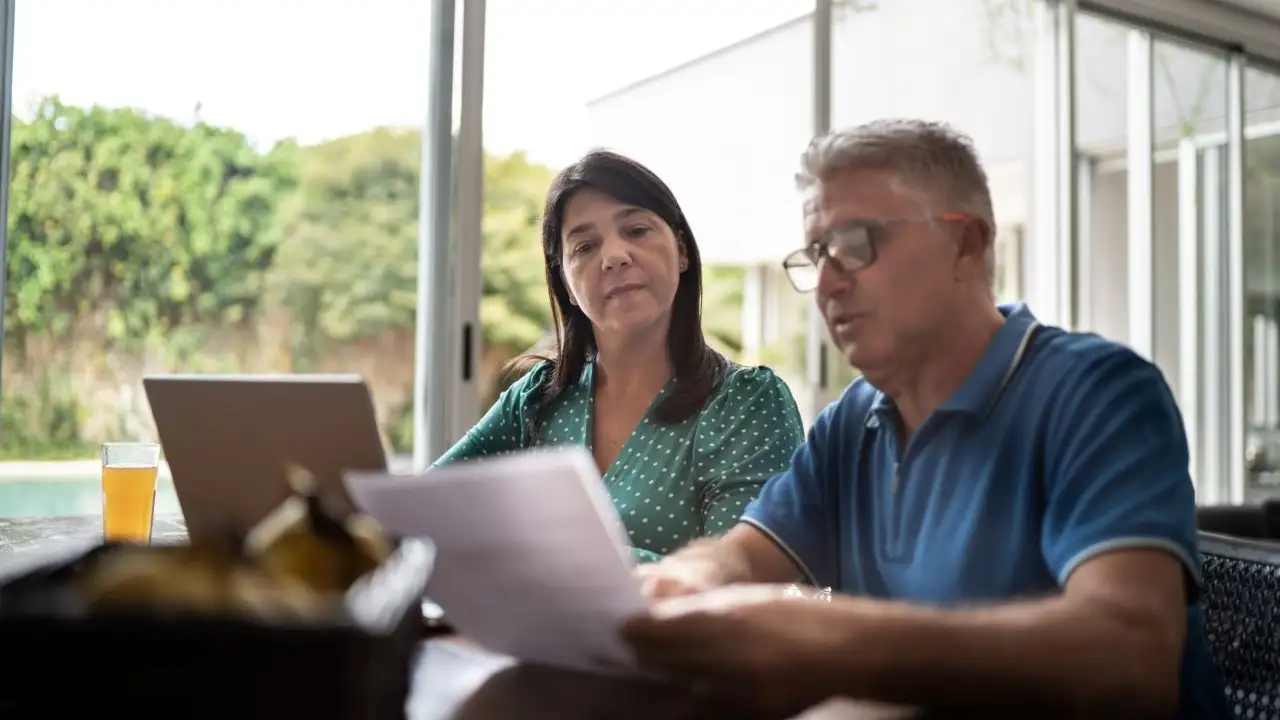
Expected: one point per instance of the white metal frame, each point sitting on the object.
(1141, 211)
(447, 343)
(1234, 279)
(1215, 482)
(469, 285)
(433, 356)
(817, 354)
(1051, 260)
(7, 10)
(1086, 176)
(1191, 299)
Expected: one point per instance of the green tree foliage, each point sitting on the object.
(722, 307)
(348, 264)
(155, 226)
(154, 236)
(514, 306)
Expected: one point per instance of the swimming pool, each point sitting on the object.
(54, 490)
(74, 487)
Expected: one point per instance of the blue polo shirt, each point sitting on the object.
(1058, 447)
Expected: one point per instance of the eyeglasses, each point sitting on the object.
(851, 247)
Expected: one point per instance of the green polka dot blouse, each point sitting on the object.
(669, 483)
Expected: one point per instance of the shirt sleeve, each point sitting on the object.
(745, 437)
(792, 509)
(640, 556)
(1116, 469)
(501, 430)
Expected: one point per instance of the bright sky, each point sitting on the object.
(316, 69)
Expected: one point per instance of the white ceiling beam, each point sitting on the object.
(1215, 22)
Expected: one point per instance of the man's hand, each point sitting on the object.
(754, 646)
(742, 555)
(674, 577)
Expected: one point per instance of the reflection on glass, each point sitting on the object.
(1008, 271)
(1101, 121)
(1262, 296)
(1189, 86)
(218, 212)
(1189, 101)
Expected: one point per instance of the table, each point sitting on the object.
(22, 534)
(458, 681)
(28, 542)
(453, 679)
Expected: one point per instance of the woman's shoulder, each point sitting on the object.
(745, 384)
(530, 381)
(751, 400)
(750, 375)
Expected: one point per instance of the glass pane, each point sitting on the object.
(1188, 96)
(557, 83)
(1008, 276)
(1262, 284)
(1190, 86)
(1101, 118)
(238, 199)
(1190, 105)
(960, 63)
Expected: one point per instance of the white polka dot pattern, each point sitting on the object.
(669, 483)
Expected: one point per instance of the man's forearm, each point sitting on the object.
(744, 554)
(718, 561)
(1051, 653)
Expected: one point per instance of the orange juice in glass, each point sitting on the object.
(129, 491)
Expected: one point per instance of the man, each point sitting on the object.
(1003, 508)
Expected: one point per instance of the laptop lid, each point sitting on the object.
(230, 438)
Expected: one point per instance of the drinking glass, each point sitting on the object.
(129, 491)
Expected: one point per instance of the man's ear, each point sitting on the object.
(976, 240)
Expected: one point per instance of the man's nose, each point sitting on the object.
(615, 252)
(832, 282)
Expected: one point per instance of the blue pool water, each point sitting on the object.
(54, 497)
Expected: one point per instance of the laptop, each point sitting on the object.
(229, 440)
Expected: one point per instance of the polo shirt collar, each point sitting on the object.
(980, 390)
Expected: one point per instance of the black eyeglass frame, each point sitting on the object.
(870, 233)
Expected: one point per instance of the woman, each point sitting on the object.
(683, 438)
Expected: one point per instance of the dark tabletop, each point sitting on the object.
(458, 681)
(452, 678)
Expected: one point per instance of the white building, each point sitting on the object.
(1180, 258)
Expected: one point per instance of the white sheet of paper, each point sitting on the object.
(532, 557)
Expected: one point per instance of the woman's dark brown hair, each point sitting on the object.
(698, 369)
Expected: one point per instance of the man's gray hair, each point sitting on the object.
(929, 159)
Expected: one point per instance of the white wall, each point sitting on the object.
(725, 132)
(1105, 277)
(930, 59)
